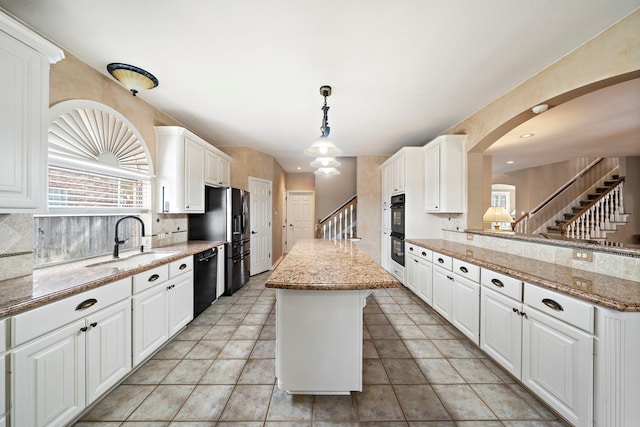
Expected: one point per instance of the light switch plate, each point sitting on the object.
(583, 255)
(469, 236)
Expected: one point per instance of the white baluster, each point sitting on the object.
(621, 188)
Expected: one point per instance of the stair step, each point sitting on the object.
(609, 183)
(601, 189)
(584, 203)
(577, 209)
(616, 176)
(592, 196)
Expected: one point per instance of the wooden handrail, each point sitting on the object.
(351, 201)
(617, 182)
(519, 220)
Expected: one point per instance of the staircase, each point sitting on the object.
(341, 223)
(596, 216)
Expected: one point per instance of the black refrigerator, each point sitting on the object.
(226, 218)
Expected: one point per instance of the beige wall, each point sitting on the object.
(369, 185)
(615, 52)
(278, 188)
(301, 182)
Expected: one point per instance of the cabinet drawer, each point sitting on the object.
(29, 325)
(150, 278)
(180, 266)
(419, 252)
(443, 261)
(464, 269)
(502, 283)
(397, 271)
(568, 309)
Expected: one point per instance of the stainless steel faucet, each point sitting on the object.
(116, 247)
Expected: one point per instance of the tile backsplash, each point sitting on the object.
(16, 245)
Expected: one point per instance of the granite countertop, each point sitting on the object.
(322, 264)
(602, 290)
(50, 284)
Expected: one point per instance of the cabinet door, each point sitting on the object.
(212, 168)
(442, 290)
(150, 322)
(108, 348)
(224, 166)
(398, 175)
(432, 177)
(24, 89)
(385, 252)
(221, 272)
(465, 307)
(501, 329)
(180, 303)
(557, 364)
(194, 176)
(424, 281)
(411, 273)
(51, 369)
(386, 185)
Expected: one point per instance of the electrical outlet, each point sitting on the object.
(583, 255)
(582, 283)
(469, 236)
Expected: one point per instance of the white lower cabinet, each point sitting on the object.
(501, 329)
(418, 277)
(385, 256)
(442, 291)
(160, 311)
(64, 371)
(465, 307)
(3, 372)
(221, 272)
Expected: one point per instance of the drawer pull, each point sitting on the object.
(449, 277)
(83, 329)
(498, 283)
(411, 248)
(424, 253)
(415, 260)
(86, 304)
(552, 304)
(464, 269)
(153, 277)
(440, 260)
(182, 266)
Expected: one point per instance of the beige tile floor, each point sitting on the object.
(417, 371)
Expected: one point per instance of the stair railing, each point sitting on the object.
(595, 218)
(341, 223)
(520, 224)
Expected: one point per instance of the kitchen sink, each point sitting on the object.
(133, 261)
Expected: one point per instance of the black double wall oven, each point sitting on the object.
(397, 228)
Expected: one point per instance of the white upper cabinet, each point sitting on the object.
(24, 68)
(444, 174)
(185, 163)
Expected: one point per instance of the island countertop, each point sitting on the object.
(320, 264)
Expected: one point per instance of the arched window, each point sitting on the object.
(98, 162)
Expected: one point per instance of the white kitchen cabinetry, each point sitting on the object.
(442, 284)
(217, 169)
(385, 257)
(67, 353)
(557, 356)
(444, 174)
(3, 372)
(185, 162)
(24, 61)
(465, 299)
(419, 271)
(386, 187)
(163, 306)
(221, 272)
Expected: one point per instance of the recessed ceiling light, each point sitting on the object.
(527, 135)
(299, 168)
(510, 162)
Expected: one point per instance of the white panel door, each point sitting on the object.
(465, 307)
(424, 284)
(194, 176)
(108, 348)
(150, 321)
(51, 390)
(180, 302)
(557, 364)
(300, 214)
(442, 291)
(260, 221)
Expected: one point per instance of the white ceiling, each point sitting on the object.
(247, 72)
(604, 123)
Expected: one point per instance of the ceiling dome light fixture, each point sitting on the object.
(327, 171)
(133, 78)
(527, 135)
(540, 108)
(323, 147)
(325, 162)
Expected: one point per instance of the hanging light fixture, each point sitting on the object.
(327, 171)
(133, 78)
(325, 162)
(323, 147)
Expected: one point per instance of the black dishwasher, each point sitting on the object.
(205, 279)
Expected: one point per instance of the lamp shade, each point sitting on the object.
(497, 214)
(325, 162)
(133, 78)
(327, 171)
(323, 147)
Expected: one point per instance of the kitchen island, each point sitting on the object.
(321, 290)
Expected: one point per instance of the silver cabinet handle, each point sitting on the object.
(552, 304)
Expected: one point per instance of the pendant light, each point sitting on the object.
(323, 147)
